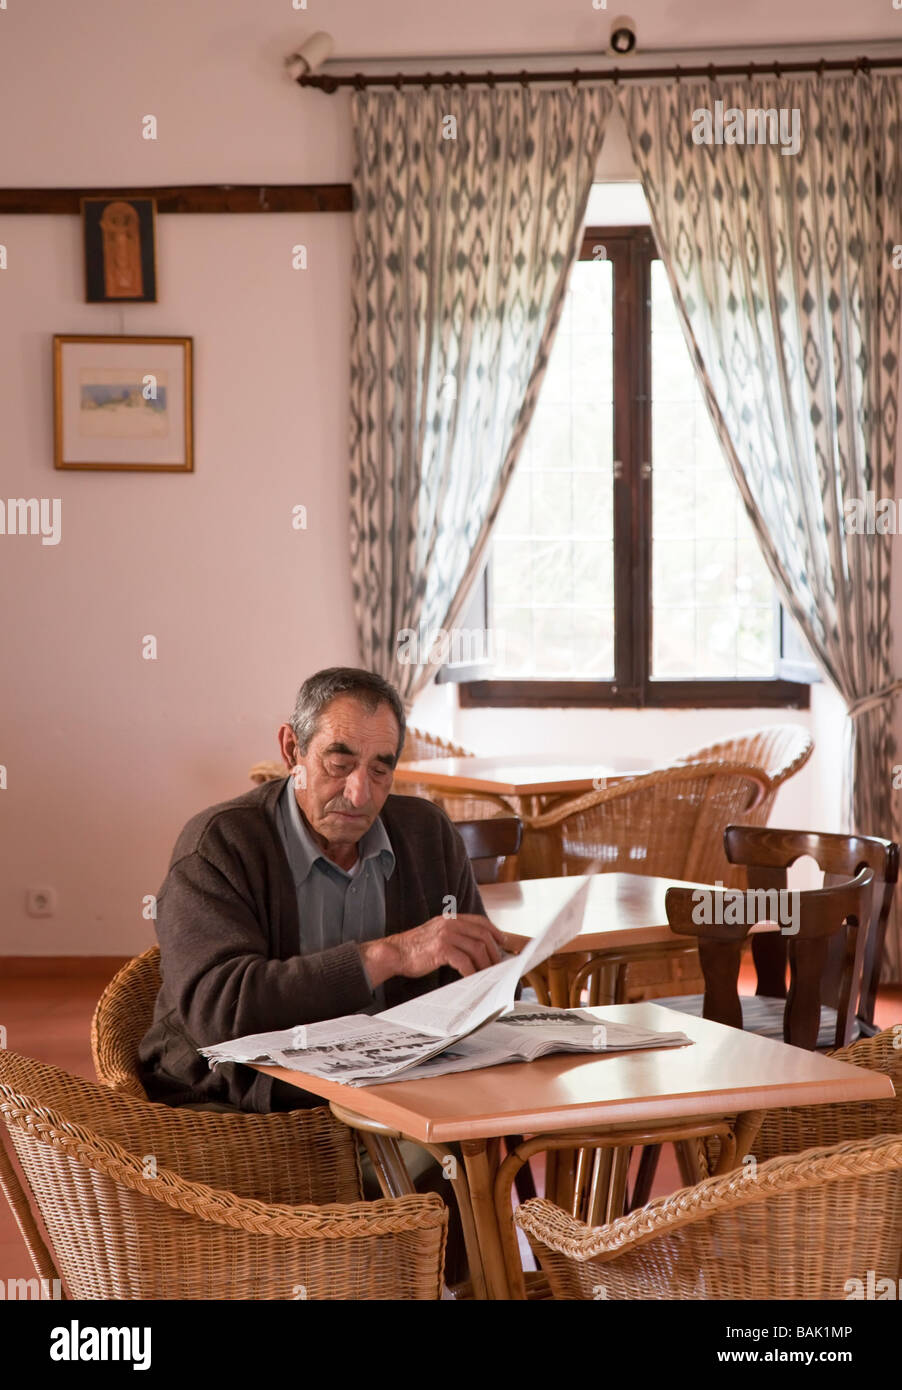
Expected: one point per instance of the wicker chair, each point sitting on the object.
(668, 824)
(267, 772)
(778, 750)
(123, 1015)
(418, 746)
(799, 1228)
(147, 1202)
(810, 1126)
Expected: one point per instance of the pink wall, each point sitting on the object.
(107, 754)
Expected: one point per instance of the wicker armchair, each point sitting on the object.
(147, 1202)
(799, 1228)
(668, 824)
(123, 1015)
(778, 750)
(809, 1126)
(418, 746)
(267, 772)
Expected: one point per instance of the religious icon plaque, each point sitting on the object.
(120, 250)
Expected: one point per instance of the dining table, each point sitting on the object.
(721, 1082)
(625, 918)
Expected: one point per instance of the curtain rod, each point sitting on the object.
(327, 82)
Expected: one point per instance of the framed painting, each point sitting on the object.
(120, 250)
(123, 403)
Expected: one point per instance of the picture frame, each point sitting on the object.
(120, 236)
(123, 403)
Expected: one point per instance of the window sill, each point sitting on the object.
(689, 694)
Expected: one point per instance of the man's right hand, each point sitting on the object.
(466, 942)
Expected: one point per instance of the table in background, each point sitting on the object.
(633, 1097)
(527, 786)
(625, 915)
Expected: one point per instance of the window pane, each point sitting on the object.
(713, 608)
(552, 557)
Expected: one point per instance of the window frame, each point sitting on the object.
(631, 249)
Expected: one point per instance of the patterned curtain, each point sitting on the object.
(781, 264)
(469, 210)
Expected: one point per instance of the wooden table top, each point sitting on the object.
(725, 1071)
(512, 776)
(621, 909)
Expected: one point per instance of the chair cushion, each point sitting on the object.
(764, 1015)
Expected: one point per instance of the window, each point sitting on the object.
(623, 568)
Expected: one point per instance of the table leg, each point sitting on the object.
(481, 1163)
(394, 1180)
(388, 1165)
(558, 976)
(744, 1135)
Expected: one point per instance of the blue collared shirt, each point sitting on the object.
(334, 905)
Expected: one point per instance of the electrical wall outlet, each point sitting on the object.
(40, 902)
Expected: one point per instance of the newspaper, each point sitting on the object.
(361, 1051)
(454, 1025)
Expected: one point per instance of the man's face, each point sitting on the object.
(349, 766)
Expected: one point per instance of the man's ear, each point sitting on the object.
(288, 745)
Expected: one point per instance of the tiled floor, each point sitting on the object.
(49, 1017)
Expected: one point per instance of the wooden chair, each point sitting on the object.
(492, 845)
(825, 958)
(144, 1201)
(800, 1228)
(841, 911)
(842, 967)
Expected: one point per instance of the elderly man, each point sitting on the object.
(308, 898)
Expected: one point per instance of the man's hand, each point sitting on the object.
(467, 942)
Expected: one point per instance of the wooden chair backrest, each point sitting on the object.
(489, 843)
(768, 853)
(819, 915)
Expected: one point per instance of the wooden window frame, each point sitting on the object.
(631, 250)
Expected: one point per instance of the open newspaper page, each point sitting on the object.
(530, 1031)
(377, 1046)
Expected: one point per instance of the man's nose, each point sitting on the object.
(357, 787)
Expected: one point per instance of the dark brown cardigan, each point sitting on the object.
(228, 927)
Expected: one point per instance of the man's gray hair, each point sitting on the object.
(322, 688)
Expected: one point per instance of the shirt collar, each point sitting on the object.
(304, 852)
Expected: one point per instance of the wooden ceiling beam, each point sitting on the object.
(197, 198)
